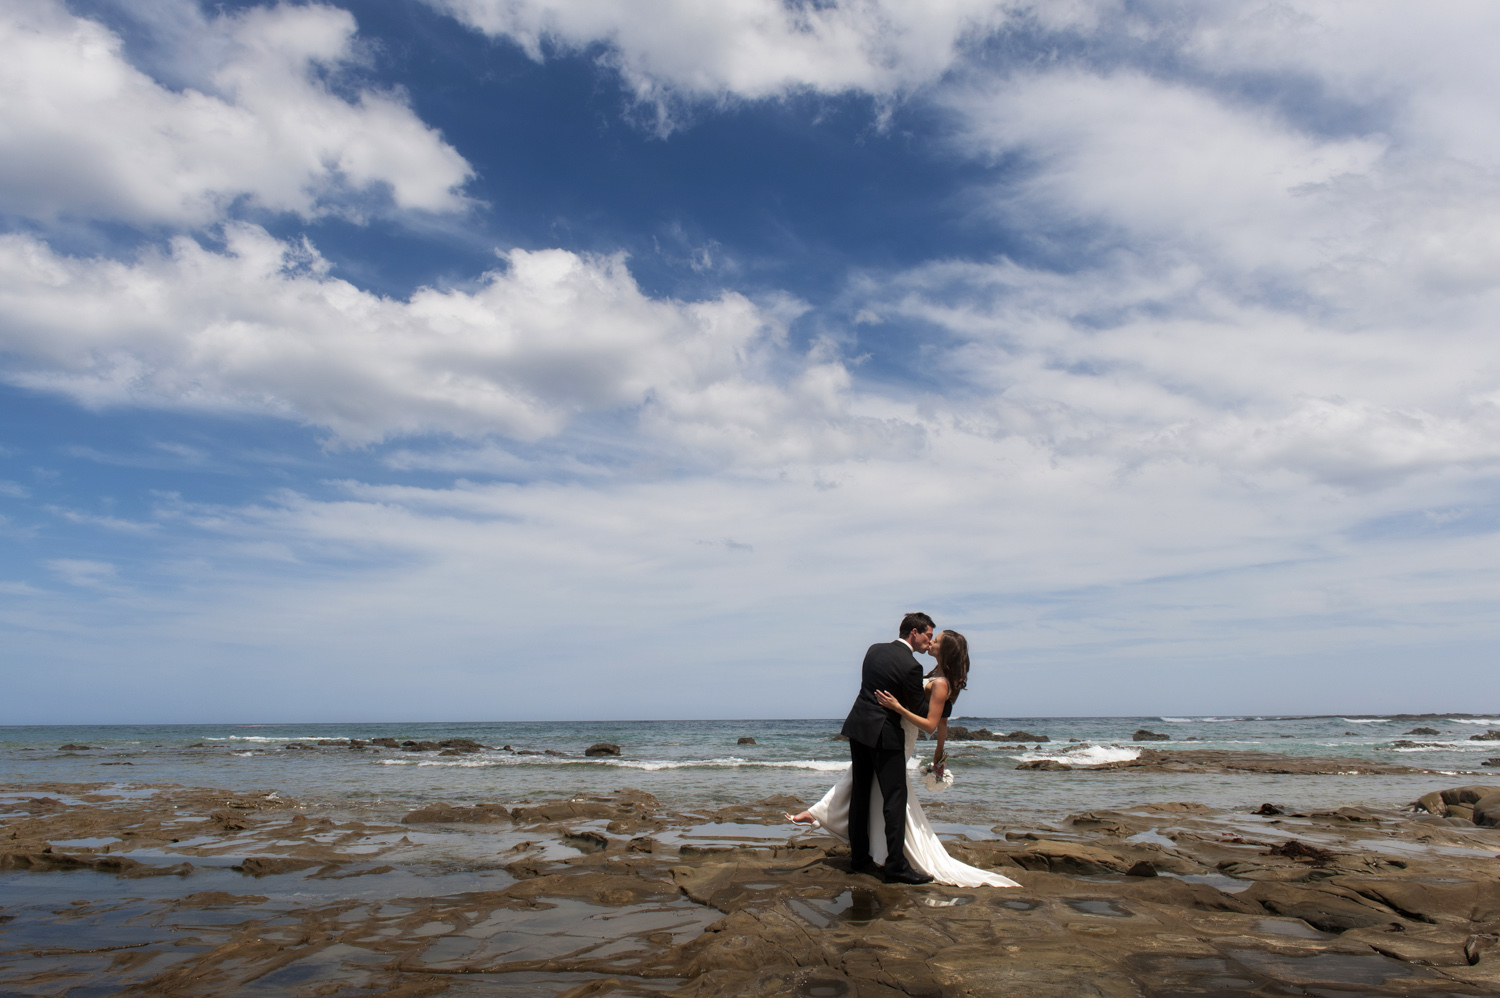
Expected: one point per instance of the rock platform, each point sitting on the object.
(184, 891)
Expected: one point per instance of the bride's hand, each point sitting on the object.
(886, 700)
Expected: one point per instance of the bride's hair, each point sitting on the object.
(953, 656)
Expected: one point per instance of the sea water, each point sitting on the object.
(701, 764)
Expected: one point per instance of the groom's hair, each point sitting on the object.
(916, 621)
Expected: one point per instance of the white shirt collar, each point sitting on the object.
(908, 645)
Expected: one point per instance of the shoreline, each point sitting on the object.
(194, 891)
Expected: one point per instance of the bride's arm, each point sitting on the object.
(938, 695)
(939, 756)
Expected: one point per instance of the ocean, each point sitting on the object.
(702, 763)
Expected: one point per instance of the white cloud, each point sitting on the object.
(550, 336)
(753, 49)
(88, 135)
(84, 573)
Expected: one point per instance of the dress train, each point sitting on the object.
(924, 850)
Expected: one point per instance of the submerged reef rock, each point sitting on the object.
(479, 814)
(602, 748)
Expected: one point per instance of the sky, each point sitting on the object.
(584, 359)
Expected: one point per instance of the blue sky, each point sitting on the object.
(489, 359)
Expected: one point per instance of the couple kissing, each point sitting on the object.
(872, 806)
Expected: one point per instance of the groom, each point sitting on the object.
(877, 747)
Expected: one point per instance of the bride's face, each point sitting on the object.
(937, 641)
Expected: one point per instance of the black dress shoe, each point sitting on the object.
(868, 866)
(907, 877)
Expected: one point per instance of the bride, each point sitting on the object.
(924, 850)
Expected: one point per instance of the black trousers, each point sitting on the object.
(886, 767)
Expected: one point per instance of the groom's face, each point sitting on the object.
(921, 640)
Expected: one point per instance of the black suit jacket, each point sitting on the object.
(893, 668)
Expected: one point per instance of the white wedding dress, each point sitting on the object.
(924, 850)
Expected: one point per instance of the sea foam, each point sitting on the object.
(1085, 755)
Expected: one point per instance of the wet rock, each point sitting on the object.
(1044, 764)
(844, 738)
(602, 748)
(464, 745)
(298, 746)
(1143, 868)
(553, 751)
(1432, 903)
(1070, 857)
(567, 810)
(959, 733)
(1456, 802)
(1143, 735)
(1487, 811)
(385, 742)
(1292, 849)
(1331, 909)
(415, 746)
(229, 821)
(333, 741)
(442, 813)
(585, 842)
(1268, 809)
(70, 747)
(746, 740)
(1489, 736)
(267, 866)
(1019, 736)
(1423, 731)
(1431, 946)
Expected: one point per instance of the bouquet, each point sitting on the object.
(930, 779)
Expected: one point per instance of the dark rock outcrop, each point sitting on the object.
(385, 742)
(746, 740)
(423, 746)
(602, 748)
(1478, 803)
(1142, 735)
(1489, 736)
(70, 747)
(1424, 731)
(1019, 736)
(464, 745)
